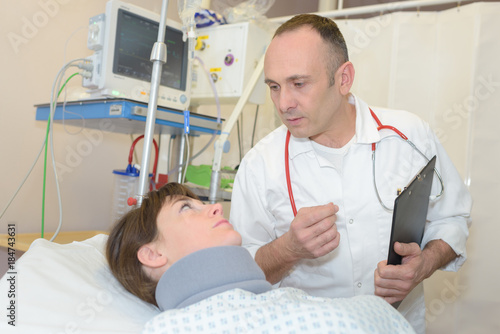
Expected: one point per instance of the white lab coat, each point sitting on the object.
(261, 211)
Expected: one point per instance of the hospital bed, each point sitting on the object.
(69, 288)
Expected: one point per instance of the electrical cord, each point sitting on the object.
(56, 87)
(29, 170)
(53, 103)
(50, 131)
(82, 64)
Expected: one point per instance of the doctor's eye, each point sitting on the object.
(273, 87)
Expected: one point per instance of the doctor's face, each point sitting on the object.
(296, 71)
(186, 225)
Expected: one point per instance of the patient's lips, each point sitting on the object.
(221, 222)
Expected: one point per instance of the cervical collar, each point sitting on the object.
(208, 272)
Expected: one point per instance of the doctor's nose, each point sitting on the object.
(286, 101)
(215, 209)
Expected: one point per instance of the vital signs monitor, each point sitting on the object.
(122, 39)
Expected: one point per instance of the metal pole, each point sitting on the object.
(181, 158)
(158, 57)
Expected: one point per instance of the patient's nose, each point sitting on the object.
(216, 209)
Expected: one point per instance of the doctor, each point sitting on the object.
(337, 243)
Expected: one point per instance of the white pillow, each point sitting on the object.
(70, 289)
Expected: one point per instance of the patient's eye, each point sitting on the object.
(185, 206)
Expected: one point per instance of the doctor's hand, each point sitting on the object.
(394, 283)
(313, 232)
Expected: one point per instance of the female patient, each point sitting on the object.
(183, 256)
(171, 224)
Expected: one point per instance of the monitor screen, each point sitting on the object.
(135, 37)
(122, 40)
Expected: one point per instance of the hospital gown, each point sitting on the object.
(284, 310)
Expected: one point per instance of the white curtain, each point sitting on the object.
(444, 67)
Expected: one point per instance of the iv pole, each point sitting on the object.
(158, 57)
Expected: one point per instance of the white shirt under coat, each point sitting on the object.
(261, 210)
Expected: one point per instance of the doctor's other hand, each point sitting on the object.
(313, 232)
(395, 282)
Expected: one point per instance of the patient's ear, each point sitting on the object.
(150, 256)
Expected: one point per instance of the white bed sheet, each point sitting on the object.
(69, 289)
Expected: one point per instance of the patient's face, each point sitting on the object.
(187, 225)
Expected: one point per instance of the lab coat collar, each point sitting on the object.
(366, 126)
(366, 130)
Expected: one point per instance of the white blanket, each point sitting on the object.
(284, 310)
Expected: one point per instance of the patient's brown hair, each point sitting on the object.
(135, 229)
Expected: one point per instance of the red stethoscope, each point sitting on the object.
(380, 126)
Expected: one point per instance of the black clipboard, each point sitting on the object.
(410, 211)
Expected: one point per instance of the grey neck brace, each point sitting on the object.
(208, 272)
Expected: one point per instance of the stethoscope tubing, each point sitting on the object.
(380, 126)
(287, 173)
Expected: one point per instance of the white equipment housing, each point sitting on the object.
(230, 53)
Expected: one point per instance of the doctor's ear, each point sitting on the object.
(150, 256)
(346, 72)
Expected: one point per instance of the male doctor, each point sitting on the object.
(338, 241)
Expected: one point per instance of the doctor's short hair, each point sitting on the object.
(136, 228)
(329, 32)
